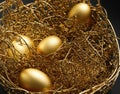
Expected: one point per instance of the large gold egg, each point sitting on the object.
(49, 45)
(34, 80)
(21, 47)
(81, 10)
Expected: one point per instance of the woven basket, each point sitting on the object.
(42, 18)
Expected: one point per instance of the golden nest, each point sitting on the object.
(87, 61)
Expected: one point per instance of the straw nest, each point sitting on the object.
(86, 63)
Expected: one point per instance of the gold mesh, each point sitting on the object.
(86, 63)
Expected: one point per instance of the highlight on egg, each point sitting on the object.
(21, 47)
(81, 10)
(49, 44)
(34, 80)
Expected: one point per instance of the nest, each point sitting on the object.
(86, 63)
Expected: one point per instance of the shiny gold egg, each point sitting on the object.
(49, 45)
(34, 80)
(81, 10)
(21, 46)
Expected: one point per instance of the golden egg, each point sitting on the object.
(81, 10)
(34, 80)
(21, 46)
(49, 45)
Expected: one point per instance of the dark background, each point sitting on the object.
(112, 7)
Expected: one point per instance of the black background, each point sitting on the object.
(112, 7)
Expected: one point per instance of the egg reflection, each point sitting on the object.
(21, 47)
(34, 80)
(49, 45)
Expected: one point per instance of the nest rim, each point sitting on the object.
(97, 87)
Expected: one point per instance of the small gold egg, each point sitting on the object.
(49, 45)
(21, 46)
(81, 10)
(34, 80)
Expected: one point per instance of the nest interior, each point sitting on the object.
(86, 58)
